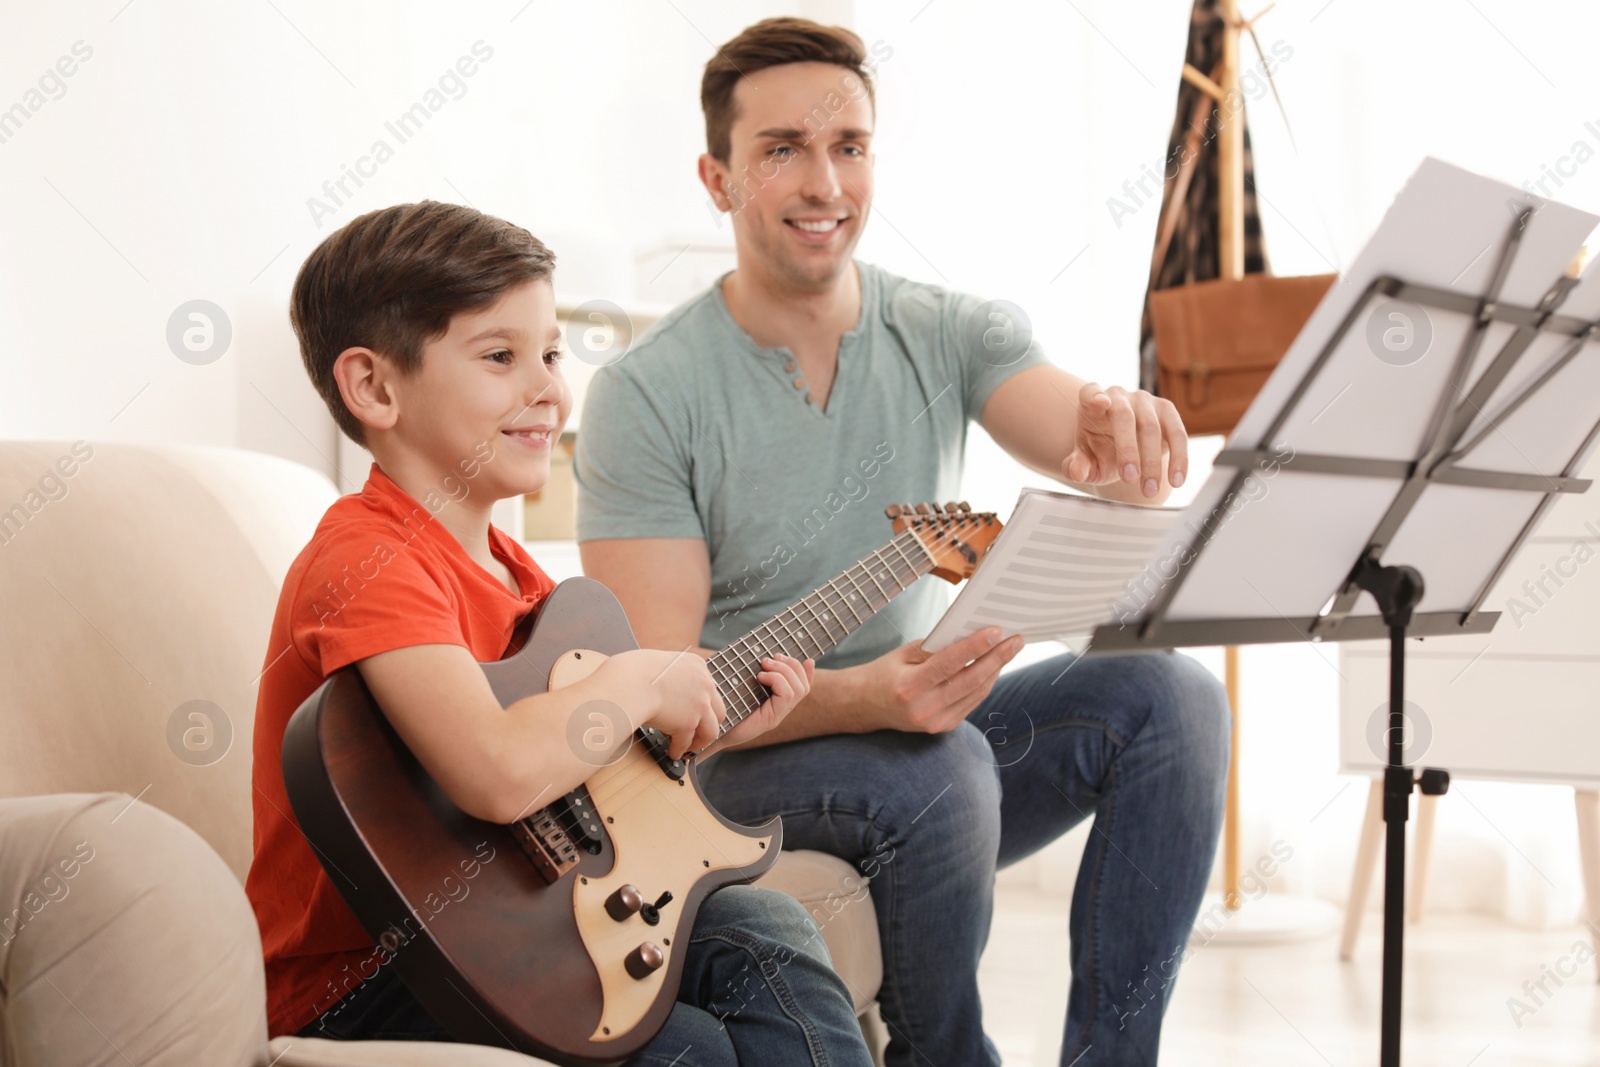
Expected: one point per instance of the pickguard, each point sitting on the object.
(666, 839)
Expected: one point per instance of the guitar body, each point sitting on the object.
(493, 949)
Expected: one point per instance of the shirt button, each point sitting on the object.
(799, 383)
(789, 366)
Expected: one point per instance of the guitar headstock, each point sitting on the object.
(954, 535)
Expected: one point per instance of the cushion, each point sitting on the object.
(836, 896)
(123, 939)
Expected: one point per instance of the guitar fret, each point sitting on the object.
(810, 605)
(932, 560)
(758, 651)
(777, 638)
(820, 647)
(896, 545)
(881, 589)
(806, 629)
(865, 591)
(761, 647)
(822, 619)
(716, 671)
(799, 651)
(743, 682)
(853, 611)
(750, 664)
(888, 565)
(726, 686)
(719, 677)
(835, 610)
(908, 539)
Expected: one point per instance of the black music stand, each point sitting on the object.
(1461, 405)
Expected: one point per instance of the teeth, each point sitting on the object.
(822, 226)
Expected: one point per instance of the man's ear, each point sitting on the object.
(714, 176)
(364, 382)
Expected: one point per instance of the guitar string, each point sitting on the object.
(748, 657)
(746, 651)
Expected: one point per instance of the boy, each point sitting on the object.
(430, 332)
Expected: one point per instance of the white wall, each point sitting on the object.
(178, 162)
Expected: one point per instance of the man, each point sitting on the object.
(741, 455)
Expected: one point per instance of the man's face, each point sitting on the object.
(493, 372)
(798, 180)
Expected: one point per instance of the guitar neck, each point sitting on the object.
(818, 621)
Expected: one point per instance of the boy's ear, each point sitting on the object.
(365, 378)
(714, 176)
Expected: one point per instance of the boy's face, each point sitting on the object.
(798, 181)
(493, 373)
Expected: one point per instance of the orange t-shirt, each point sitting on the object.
(380, 573)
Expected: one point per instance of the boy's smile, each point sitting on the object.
(536, 438)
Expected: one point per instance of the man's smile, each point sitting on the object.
(817, 230)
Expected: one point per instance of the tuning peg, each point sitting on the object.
(892, 511)
(964, 506)
(937, 510)
(922, 509)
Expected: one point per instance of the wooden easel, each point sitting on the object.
(1230, 208)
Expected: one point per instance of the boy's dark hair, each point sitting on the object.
(391, 280)
(772, 43)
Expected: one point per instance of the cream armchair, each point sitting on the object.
(138, 579)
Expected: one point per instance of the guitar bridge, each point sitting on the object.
(546, 844)
(553, 836)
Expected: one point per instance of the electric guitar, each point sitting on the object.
(560, 935)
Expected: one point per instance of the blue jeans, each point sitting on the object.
(758, 988)
(1140, 742)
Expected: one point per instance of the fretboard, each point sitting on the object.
(817, 622)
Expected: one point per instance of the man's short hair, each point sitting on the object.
(392, 279)
(772, 43)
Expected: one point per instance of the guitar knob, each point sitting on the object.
(922, 509)
(623, 903)
(645, 960)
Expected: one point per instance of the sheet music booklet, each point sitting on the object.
(1058, 569)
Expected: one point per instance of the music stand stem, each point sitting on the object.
(1398, 590)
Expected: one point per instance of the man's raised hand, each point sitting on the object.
(1123, 436)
